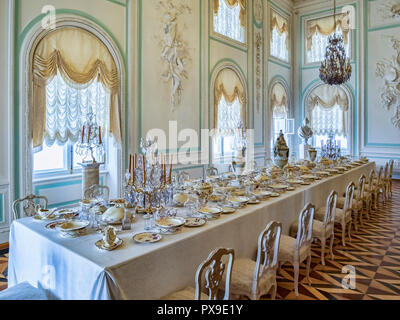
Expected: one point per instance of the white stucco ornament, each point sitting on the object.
(174, 49)
(389, 9)
(389, 71)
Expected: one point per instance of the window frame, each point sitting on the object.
(304, 61)
(22, 179)
(349, 118)
(225, 39)
(272, 57)
(217, 158)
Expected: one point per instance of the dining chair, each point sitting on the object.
(385, 183)
(390, 179)
(254, 279)
(360, 199)
(29, 205)
(342, 216)
(324, 229)
(296, 250)
(375, 188)
(212, 270)
(211, 171)
(97, 191)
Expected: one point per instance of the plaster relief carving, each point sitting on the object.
(389, 71)
(258, 69)
(258, 10)
(174, 49)
(390, 9)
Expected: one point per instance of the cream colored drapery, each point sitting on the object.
(326, 26)
(229, 85)
(280, 24)
(327, 107)
(234, 3)
(279, 100)
(80, 58)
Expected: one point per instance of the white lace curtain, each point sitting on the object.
(279, 101)
(81, 60)
(230, 95)
(67, 107)
(230, 18)
(328, 109)
(279, 28)
(326, 26)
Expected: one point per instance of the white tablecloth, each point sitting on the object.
(77, 269)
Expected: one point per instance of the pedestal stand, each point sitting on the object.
(90, 175)
(303, 148)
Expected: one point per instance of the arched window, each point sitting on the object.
(74, 75)
(318, 32)
(280, 110)
(279, 36)
(230, 19)
(229, 111)
(328, 110)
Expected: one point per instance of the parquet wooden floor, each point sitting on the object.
(374, 253)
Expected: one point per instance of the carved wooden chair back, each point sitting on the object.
(348, 204)
(212, 270)
(211, 171)
(97, 191)
(304, 232)
(331, 209)
(29, 204)
(268, 251)
(360, 188)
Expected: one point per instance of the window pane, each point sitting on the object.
(278, 45)
(227, 22)
(50, 158)
(319, 44)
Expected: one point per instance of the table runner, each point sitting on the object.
(75, 269)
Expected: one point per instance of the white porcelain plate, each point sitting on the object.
(169, 222)
(71, 226)
(101, 245)
(195, 222)
(228, 210)
(147, 237)
(210, 210)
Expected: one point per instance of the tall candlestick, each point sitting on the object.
(88, 137)
(170, 170)
(130, 164)
(100, 140)
(83, 133)
(144, 170)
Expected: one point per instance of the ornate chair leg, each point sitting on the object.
(308, 269)
(331, 246)
(296, 266)
(323, 243)
(343, 235)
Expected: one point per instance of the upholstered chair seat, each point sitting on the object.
(254, 279)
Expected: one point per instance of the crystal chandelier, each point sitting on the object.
(336, 68)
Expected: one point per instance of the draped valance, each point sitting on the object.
(228, 85)
(326, 26)
(327, 108)
(327, 96)
(279, 100)
(80, 58)
(281, 25)
(231, 4)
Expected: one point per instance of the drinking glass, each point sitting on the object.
(148, 222)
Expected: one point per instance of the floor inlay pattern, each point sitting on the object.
(374, 253)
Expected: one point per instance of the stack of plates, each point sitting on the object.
(262, 194)
(211, 212)
(239, 201)
(72, 229)
(170, 225)
(279, 187)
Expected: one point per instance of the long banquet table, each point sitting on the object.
(75, 269)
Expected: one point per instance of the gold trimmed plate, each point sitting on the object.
(147, 237)
(195, 222)
(101, 245)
